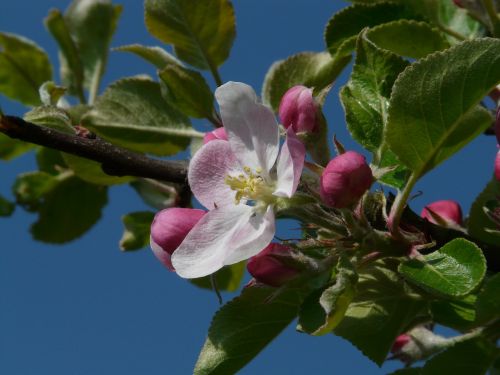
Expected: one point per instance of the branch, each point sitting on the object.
(115, 161)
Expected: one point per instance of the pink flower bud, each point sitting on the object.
(219, 133)
(168, 230)
(497, 166)
(400, 342)
(267, 268)
(345, 179)
(449, 211)
(299, 110)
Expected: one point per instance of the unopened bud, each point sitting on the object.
(299, 109)
(267, 267)
(345, 179)
(400, 342)
(219, 133)
(448, 212)
(497, 166)
(168, 230)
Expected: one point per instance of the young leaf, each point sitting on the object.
(50, 93)
(382, 309)
(12, 148)
(227, 279)
(50, 161)
(137, 230)
(24, 67)
(157, 196)
(29, 188)
(434, 110)
(488, 303)
(454, 270)
(155, 55)
(459, 314)
(466, 358)
(310, 69)
(243, 327)
(201, 32)
(347, 24)
(69, 210)
(132, 113)
(6, 207)
(50, 117)
(187, 90)
(91, 171)
(480, 226)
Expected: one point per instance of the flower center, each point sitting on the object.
(251, 186)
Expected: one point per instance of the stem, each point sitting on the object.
(95, 83)
(215, 73)
(451, 32)
(493, 16)
(400, 204)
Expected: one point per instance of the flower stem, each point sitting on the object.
(493, 16)
(400, 204)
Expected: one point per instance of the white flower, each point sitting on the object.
(239, 181)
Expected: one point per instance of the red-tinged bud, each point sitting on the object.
(299, 109)
(267, 267)
(345, 179)
(448, 211)
(497, 166)
(168, 230)
(458, 3)
(219, 133)
(400, 342)
(497, 126)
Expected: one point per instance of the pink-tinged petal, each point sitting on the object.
(290, 165)
(497, 166)
(206, 247)
(251, 127)
(207, 172)
(219, 133)
(162, 255)
(252, 237)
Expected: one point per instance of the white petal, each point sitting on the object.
(207, 172)
(252, 238)
(290, 165)
(206, 247)
(251, 127)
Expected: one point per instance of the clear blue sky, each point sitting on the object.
(85, 308)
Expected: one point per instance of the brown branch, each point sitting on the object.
(115, 161)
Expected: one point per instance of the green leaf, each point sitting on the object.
(383, 308)
(137, 230)
(50, 93)
(243, 327)
(408, 38)
(6, 207)
(91, 25)
(488, 301)
(50, 117)
(11, 148)
(471, 357)
(132, 113)
(310, 69)
(434, 110)
(201, 32)
(345, 25)
(24, 67)
(459, 314)
(480, 226)
(227, 279)
(50, 161)
(69, 210)
(91, 171)
(29, 188)
(454, 270)
(155, 55)
(188, 91)
(155, 194)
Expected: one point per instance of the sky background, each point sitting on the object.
(86, 308)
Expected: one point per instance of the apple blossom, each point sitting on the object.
(239, 181)
(447, 210)
(267, 268)
(218, 133)
(168, 230)
(345, 179)
(298, 109)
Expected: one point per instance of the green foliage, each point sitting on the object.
(244, 326)
(433, 110)
(29, 188)
(6, 207)
(12, 148)
(201, 32)
(91, 171)
(50, 93)
(187, 90)
(155, 195)
(480, 226)
(454, 270)
(488, 303)
(137, 230)
(310, 69)
(132, 113)
(458, 314)
(227, 279)
(155, 55)
(383, 308)
(24, 67)
(50, 117)
(50, 161)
